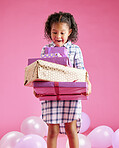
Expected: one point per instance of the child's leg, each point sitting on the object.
(71, 132)
(53, 131)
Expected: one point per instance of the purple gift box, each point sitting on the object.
(61, 90)
(62, 50)
(58, 60)
(51, 55)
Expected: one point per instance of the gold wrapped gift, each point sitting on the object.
(47, 71)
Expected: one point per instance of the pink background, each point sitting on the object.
(22, 37)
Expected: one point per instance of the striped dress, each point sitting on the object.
(64, 111)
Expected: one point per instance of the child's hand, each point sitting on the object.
(36, 95)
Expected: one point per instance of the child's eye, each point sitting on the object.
(54, 32)
(62, 33)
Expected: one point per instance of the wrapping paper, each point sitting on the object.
(58, 60)
(64, 97)
(51, 55)
(61, 90)
(62, 50)
(47, 71)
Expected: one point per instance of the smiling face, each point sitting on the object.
(60, 33)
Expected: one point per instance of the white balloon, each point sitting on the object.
(34, 125)
(101, 137)
(85, 122)
(41, 116)
(10, 139)
(83, 142)
(115, 139)
(31, 141)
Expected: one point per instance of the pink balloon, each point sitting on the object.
(83, 142)
(31, 141)
(101, 137)
(34, 125)
(10, 139)
(85, 122)
(115, 139)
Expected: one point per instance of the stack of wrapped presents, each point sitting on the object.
(53, 77)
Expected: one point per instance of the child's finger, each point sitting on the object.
(37, 95)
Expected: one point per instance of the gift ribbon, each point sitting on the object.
(58, 98)
(56, 86)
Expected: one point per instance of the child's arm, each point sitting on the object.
(78, 59)
(79, 63)
(42, 52)
(89, 87)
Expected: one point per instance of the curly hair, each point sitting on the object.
(64, 18)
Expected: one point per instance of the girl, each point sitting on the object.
(63, 116)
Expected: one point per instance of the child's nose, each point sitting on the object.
(58, 35)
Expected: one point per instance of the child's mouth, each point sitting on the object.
(59, 40)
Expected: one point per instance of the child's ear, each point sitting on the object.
(70, 31)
